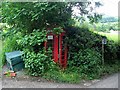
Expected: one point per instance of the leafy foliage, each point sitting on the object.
(95, 18)
(87, 60)
(81, 39)
(37, 60)
(33, 41)
(87, 57)
(57, 30)
(41, 14)
(111, 49)
(9, 45)
(37, 64)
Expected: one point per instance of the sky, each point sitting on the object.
(110, 7)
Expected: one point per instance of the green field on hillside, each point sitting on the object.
(111, 36)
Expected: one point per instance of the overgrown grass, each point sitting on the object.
(62, 76)
(74, 76)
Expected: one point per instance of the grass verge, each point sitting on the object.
(76, 76)
(62, 76)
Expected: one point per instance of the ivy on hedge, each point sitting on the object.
(79, 38)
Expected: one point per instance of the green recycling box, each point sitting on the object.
(14, 60)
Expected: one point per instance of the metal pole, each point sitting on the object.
(103, 54)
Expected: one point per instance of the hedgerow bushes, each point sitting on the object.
(111, 52)
(81, 38)
(85, 52)
(88, 60)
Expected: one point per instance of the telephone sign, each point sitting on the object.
(104, 40)
(50, 37)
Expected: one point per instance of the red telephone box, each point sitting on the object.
(59, 48)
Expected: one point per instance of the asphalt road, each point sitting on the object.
(108, 82)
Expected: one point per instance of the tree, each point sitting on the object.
(28, 16)
(31, 16)
(109, 19)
